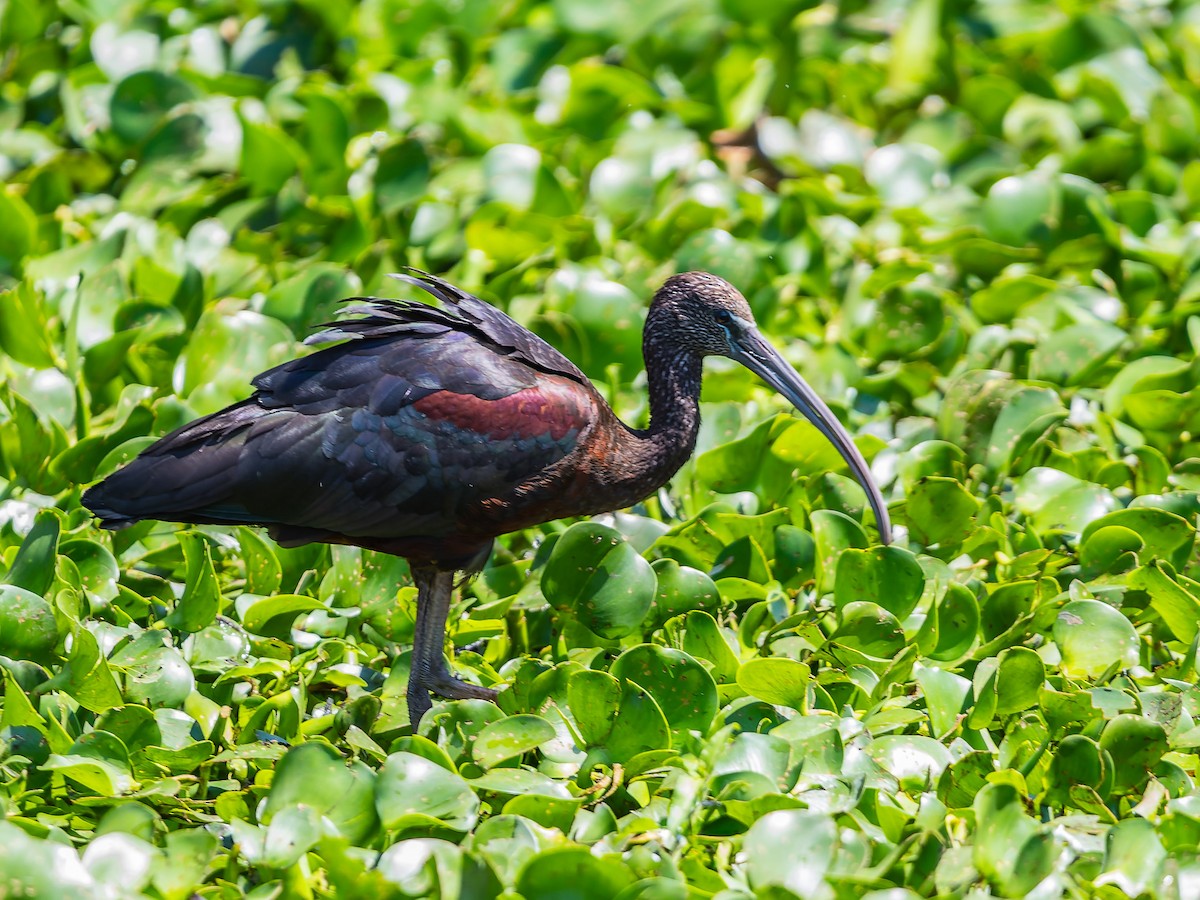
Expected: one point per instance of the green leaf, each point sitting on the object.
(1092, 637)
(510, 737)
(1179, 608)
(594, 698)
(155, 674)
(639, 724)
(273, 616)
(870, 629)
(28, 629)
(33, 569)
(411, 791)
(24, 331)
(914, 760)
(889, 576)
(86, 675)
(777, 680)
(791, 848)
(98, 762)
(680, 589)
(702, 639)
(596, 576)
(1135, 744)
(1010, 850)
(833, 532)
(201, 600)
(314, 775)
(940, 511)
(555, 871)
(683, 689)
(1056, 501)
(1133, 857)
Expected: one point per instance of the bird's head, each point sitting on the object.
(705, 315)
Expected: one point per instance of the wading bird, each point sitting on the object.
(427, 431)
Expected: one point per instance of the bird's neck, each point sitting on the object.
(673, 378)
(646, 459)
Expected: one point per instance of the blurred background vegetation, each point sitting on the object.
(968, 222)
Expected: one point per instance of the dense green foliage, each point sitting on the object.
(966, 222)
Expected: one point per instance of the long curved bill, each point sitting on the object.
(754, 352)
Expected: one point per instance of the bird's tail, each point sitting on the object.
(188, 476)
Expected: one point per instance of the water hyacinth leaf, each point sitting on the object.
(510, 737)
(957, 619)
(594, 698)
(274, 615)
(315, 776)
(1074, 354)
(411, 791)
(683, 689)
(184, 862)
(86, 675)
(833, 532)
(120, 861)
(1010, 849)
(1056, 501)
(41, 868)
(639, 724)
(870, 629)
(1020, 674)
(33, 568)
(680, 589)
(98, 762)
(588, 877)
(217, 648)
(292, 832)
(1165, 535)
(431, 867)
(1136, 745)
(777, 680)
(201, 600)
(889, 576)
(945, 697)
(1092, 637)
(1078, 760)
(1178, 607)
(914, 760)
(596, 576)
(1026, 418)
(98, 570)
(154, 674)
(791, 848)
(141, 100)
(939, 511)
(703, 640)
(1019, 209)
(735, 465)
(1133, 857)
(795, 556)
(1109, 548)
(28, 629)
(936, 458)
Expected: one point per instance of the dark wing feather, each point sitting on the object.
(414, 425)
(460, 311)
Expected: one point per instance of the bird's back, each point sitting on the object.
(425, 433)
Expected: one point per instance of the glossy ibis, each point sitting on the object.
(426, 431)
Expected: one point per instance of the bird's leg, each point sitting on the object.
(430, 673)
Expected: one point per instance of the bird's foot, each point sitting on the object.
(443, 684)
(446, 685)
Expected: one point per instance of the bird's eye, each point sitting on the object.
(723, 317)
